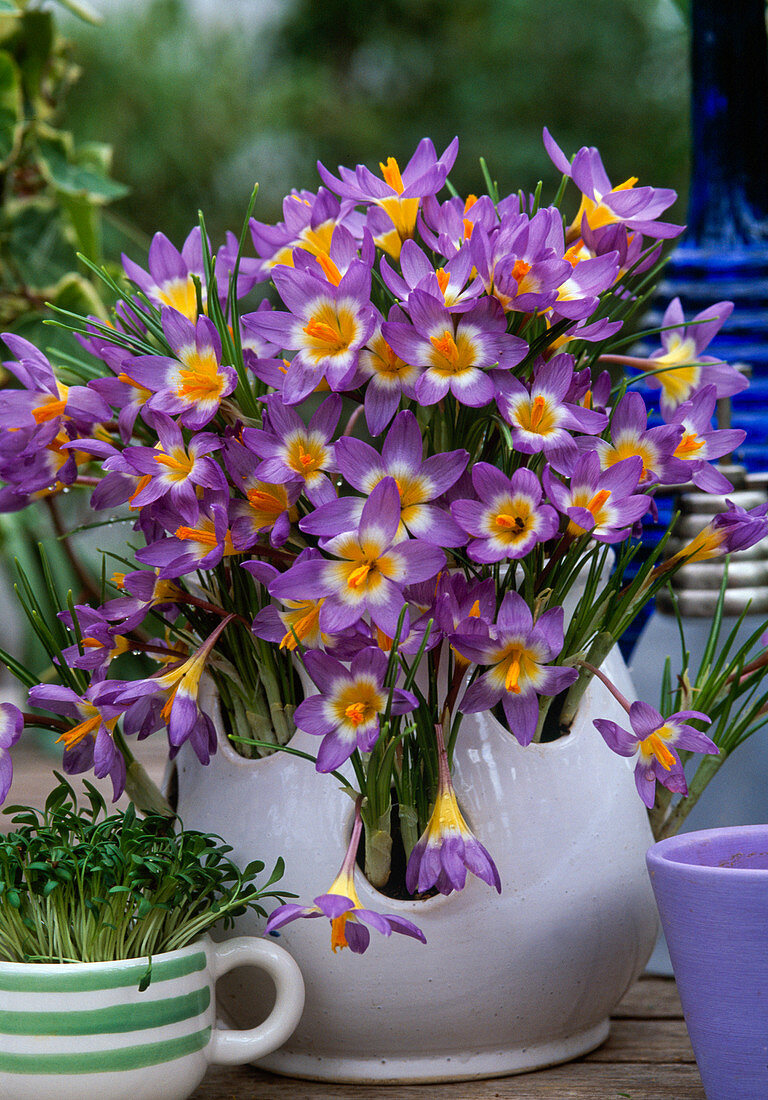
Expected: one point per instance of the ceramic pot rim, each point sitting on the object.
(309, 742)
(198, 944)
(683, 853)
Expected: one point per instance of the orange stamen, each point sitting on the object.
(49, 410)
(268, 502)
(688, 446)
(520, 270)
(355, 712)
(538, 409)
(598, 500)
(358, 576)
(445, 345)
(301, 626)
(513, 673)
(653, 745)
(508, 522)
(332, 273)
(319, 330)
(338, 939)
(197, 534)
(77, 733)
(391, 175)
(200, 379)
(143, 483)
(184, 464)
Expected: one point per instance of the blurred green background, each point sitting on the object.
(200, 99)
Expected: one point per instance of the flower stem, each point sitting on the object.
(671, 822)
(598, 651)
(622, 699)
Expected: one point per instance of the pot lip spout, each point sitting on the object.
(734, 851)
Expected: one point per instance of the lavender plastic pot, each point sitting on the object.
(711, 888)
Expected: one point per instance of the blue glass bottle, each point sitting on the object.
(723, 254)
(724, 251)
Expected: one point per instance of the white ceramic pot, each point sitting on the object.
(68, 1030)
(505, 983)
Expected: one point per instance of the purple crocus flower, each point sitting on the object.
(601, 502)
(191, 547)
(631, 437)
(453, 282)
(390, 378)
(43, 399)
(683, 368)
(11, 725)
(700, 443)
(145, 590)
(119, 483)
(100, 642)
(446, 227)
(172, 468)
(603, 204)
(455, 357)
(327, 326)
(396, 193)
(346, 712)
(341, 905)
(457, 602)
(522, 263)
(419, 481)
(345, 251)
(89, 743)
(268, 507)
(542, 418)
(122, 392)
(169, 279)
(579, 294)
(628, 245)
(254, 345)
(179, 687)
(518, 651)
(656, 739)
(192, 384)
(726, 533)
(34, 460)
(298, 619)
(509, 519)
(447, 848)
(293, 450)
(370, 570)
(309, 222)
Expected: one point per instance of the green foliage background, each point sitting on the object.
(197, 110)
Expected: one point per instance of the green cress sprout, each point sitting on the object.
(77, 885)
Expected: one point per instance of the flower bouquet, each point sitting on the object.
(359, 502)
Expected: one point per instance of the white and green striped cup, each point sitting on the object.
(67, 1027)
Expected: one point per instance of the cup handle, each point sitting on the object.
(232, 1048)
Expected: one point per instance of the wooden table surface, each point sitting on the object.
(647, 1057)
